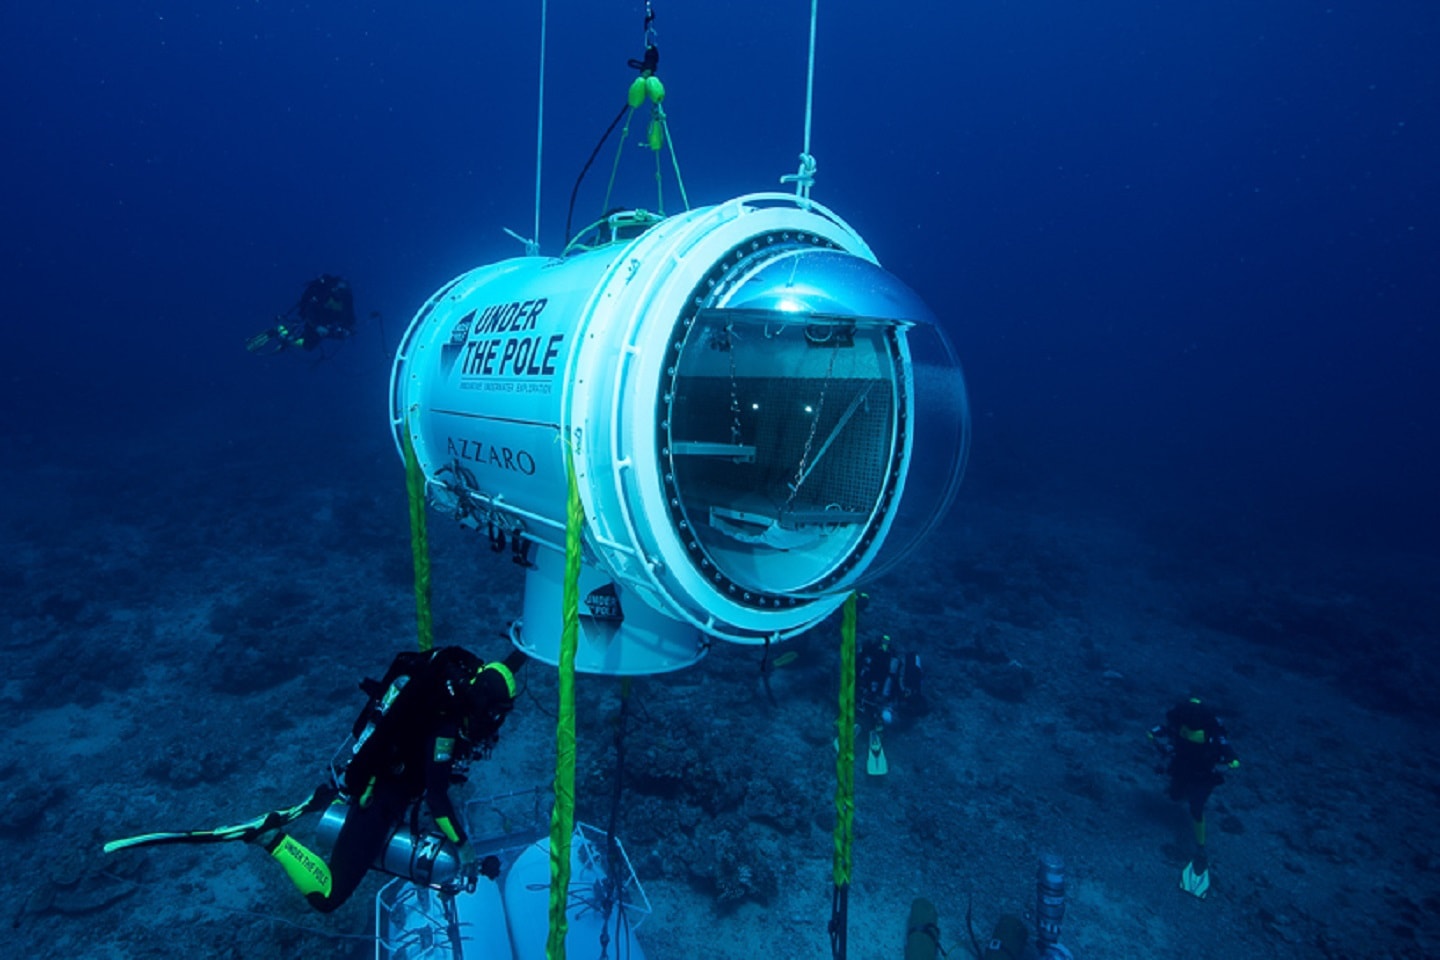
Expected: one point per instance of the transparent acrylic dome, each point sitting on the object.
(814, 426)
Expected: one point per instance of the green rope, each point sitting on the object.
(562, 818)
(648, 87)
(674, 160)
(844, 776)
(659, 180)
(419, 545)
(615, 167)
(810, 76)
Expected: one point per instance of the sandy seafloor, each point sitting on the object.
(186, 614)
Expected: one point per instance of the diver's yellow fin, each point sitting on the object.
(875, 763)
(1195, 884)
(249, 830)
(239, 831)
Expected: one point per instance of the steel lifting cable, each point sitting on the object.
(612, 890)
(540, 126)
(532, 243)
(804, 178)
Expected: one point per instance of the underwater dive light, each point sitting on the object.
(760, 415)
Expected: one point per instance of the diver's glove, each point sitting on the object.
(1164, 749)
(469, 866)
(1162, 744)
(490, 867)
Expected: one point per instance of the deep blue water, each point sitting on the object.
(1188, 253)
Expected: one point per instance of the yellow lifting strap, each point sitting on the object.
(419, 544)
(562, 817)
(845, 754)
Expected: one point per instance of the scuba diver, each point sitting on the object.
(431, 714)
(325, 311)
(1192, 742)
(888, 687)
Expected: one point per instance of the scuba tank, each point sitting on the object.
(1049, 900)
(1008, 940)
(424, 858)
(376, 710)
(417, 687)
(1050, 907)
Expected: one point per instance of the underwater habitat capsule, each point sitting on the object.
(761, 417)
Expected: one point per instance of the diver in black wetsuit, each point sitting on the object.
(325, 311)
(1192, 742)
(888, 690)
(429, 715)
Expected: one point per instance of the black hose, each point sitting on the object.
(575, 190)
(974, 940)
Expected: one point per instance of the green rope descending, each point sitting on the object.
(419, 545)
(659, 134)
(562, 818)
(844, 780)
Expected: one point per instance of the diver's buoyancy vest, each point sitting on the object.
(403, 706)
